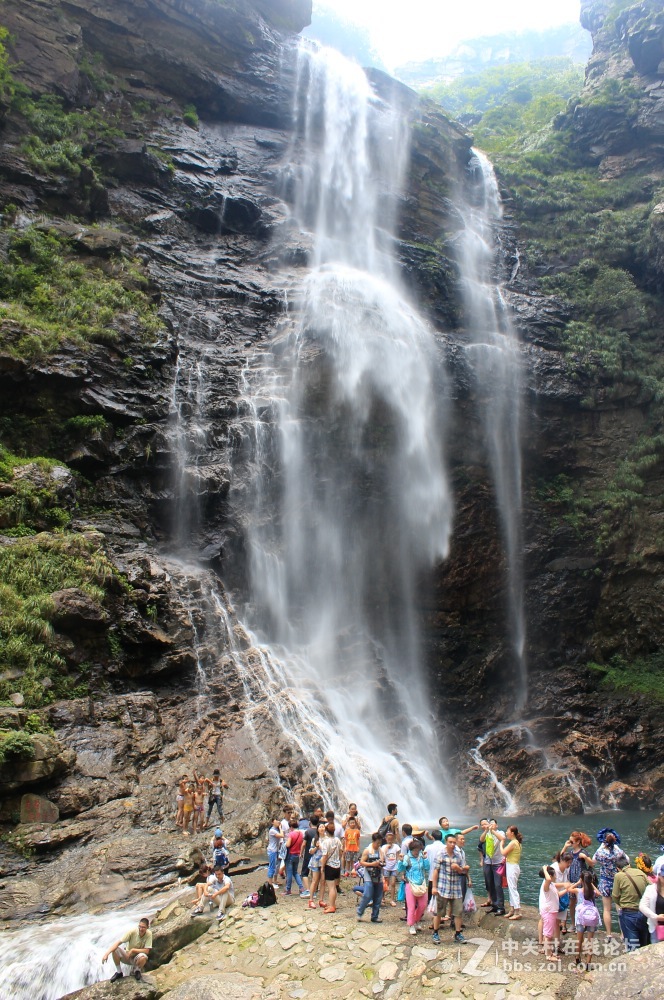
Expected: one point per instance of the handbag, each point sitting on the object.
(282, 853)
(401, 892)
(660, 932)
(501, 869)
(433, 906)
(418, 888)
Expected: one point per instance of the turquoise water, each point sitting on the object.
(544, 835)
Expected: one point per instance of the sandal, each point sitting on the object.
(392, 903)
(330, 909)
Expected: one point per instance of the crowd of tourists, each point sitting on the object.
(427, 873)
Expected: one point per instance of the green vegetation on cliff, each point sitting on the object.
(50, 294)
(508, 102)
(643, 675)
(31, 570)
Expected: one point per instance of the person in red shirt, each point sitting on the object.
(294, 841)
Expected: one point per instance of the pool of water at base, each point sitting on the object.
(544, 835)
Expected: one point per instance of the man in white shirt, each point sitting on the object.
(433, 853)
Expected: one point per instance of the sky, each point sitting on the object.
(402, 30)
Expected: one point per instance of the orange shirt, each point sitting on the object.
(352, 839)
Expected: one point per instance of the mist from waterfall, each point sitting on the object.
(494, 358)
(351, 500)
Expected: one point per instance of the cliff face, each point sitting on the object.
(587, 297)
(165, 144)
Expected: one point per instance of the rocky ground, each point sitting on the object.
(290, 950)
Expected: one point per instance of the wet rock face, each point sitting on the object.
(224, 56)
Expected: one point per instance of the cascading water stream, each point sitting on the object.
(493, 353)
(351, 497)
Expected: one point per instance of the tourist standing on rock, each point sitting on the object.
(331, 867)
(351, 846)
(198, 821)
(433, 852)
(485, 863)
(561, 864)
(389, 822)
(373, 879)
(317, 875)
(446, 887)
(607, 856)
(466, 880)
(577, 843)
(294, 842)
(310, 835)
(629, 886)
(492, 837)
(389, 853)
(445, 828)
(215, 789)
(274, 840)
(188, 807)
(179, 800)
(351, 814)
(652, 907)
(415, 868)
(586, 914)
(133, 949)
(512, 854)
(549, 905)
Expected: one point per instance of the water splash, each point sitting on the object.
(63, 955)
(494, 357)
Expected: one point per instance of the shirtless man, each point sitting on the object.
(198, 821)
(179, 815)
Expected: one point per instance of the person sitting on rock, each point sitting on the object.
(133, 949)
(219, 891)
(204, 873)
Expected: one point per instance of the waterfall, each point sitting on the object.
(54, 958)
(493, 353)
(348, 504)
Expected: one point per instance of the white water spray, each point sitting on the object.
(351, 497)
(494, 357)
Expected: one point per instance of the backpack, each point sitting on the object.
(220, 857)
(586, 913)
(266, 895)
(384, 827)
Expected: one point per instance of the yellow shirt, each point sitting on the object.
(514, 857)
(133, 939)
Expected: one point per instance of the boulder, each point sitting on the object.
(638, 974)
(173, 928)
(656, 829)
(37, 809)
(547, 793)
(618, 795)
(74, 609)
(129, 989)
(49, 760)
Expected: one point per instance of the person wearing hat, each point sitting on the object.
(607, 856)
